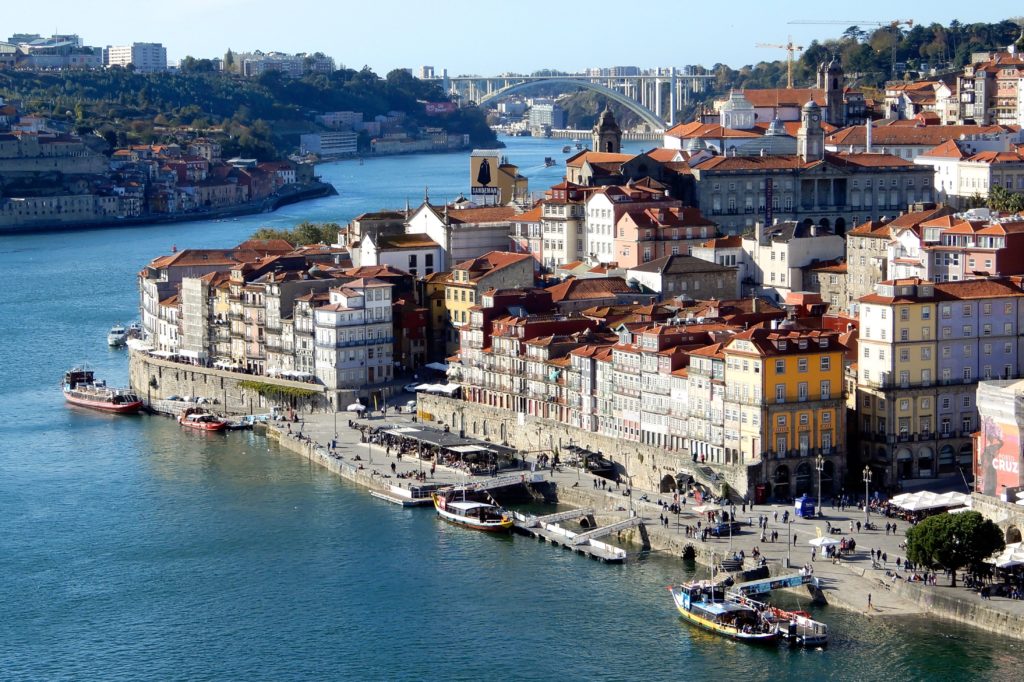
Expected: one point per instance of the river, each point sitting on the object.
(131, 550)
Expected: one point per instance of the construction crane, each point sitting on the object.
(791, 49)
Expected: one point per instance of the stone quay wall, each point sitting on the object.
(156, 379)
(649, 465)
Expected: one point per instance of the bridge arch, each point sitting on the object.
(640, 110)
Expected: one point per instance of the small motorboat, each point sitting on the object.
(548, 162)
(117, 336)
(566, 149)
(194, 418)
(80, 388)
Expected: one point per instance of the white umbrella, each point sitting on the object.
(823, 542)
(355, 407)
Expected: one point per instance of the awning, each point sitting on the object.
(436, 366)
(924, 500)
(466, 449)
(139, 344)
(161, 353)
(823, 542)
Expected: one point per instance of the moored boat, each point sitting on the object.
(452, 506)
(202, 421)
(566, 149)
(81, 388)
(798, 628)
(117, 336)
(710, 607)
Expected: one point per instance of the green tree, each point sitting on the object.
(303, 233)
(1003, 200)
(953, 541)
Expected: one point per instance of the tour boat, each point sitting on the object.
(797, 627)
(710, 607)
(202, 421)
(80, 388)
(117, 336)
(471, 514)
(566, 149)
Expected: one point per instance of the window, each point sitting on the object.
(904, 334)
(947, 351)
(781, 420)
(801, 391)
(867, 352)
(926, 353)
(826, 390)
(904, 354)
(904, 314)
(780, 393)
(966, 401)
(966, 424)
(801, 365)
(804, 419)
(780, 366)
(967, 373)
(826, 363)
(885, 312)
(926, 313)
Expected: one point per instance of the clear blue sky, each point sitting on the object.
(475, 37)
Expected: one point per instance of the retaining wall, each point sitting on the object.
(156, 379)
(647, 464)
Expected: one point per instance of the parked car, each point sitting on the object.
(721, 530)
(411, 388)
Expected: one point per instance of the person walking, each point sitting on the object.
(869, 601)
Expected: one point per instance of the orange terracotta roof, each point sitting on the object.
(907, 135)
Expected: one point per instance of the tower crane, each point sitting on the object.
(790, 49)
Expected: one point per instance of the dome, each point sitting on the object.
(737, 101)
(696, 144)
(776, 128)
(811, 106)
(607, 119)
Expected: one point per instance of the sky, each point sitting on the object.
(474, 37)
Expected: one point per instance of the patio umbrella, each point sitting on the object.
(355, 407)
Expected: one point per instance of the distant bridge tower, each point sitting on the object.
(607, 136)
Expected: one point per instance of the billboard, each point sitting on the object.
(997, 459)
(439, 108)
(483, 172)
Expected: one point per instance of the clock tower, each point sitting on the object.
(810, 138)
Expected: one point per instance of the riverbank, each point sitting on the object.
(306, 192)
(846, 584)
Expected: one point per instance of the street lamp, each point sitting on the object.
(867, 493)
(819, 465)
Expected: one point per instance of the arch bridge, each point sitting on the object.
(646, 95)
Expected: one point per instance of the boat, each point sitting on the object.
(548, 162)
(566, 149)
(81, 388)
(579, 145)
(712, 608)
(117, 336)
(194, 418)
(797, 627)
(469, 513)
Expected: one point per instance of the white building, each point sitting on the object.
(417, 254)
(354, 346)
(603, 210)
(775, 256)
(463, 233)
(145, 57)
(343, 143)
(961, 173)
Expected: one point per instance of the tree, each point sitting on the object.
(953, 541)
(1003, 200)
(303, 233)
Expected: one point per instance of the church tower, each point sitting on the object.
(607, 136)
(835, 108)
(810, 139)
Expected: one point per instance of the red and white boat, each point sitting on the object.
(81, 388)
(202, 421)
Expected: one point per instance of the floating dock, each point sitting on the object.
(546, 529)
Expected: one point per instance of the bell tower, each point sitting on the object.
(835, 109)
(606, 136)
(810, 138)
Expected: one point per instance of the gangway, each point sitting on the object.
(534, 521)
(503, 481)
(584, 538)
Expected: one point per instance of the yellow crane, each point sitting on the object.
(790, 49)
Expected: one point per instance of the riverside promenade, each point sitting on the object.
(846, 583)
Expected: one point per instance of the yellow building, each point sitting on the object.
(470, 279)
(784, 407)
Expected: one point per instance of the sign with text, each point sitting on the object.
(439, 108)
(483, 170)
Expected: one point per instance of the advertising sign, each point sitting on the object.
(483, 170)
(998, 456)
(439, 108)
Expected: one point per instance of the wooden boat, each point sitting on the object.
(710, 607)
(202, 421)
(81, 388)
(798, 628)
(469, 513)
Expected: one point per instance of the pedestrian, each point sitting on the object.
(812, 554)
(794, 538)
(885, 558)
(776, 516)
(743, 507)
(595, 482)
(858, 526)
(869, 601)
(851, 526)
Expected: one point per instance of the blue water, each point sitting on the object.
(130, 550)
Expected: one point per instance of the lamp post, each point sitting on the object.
(789, 540)
(819, 465)
(867, 493)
